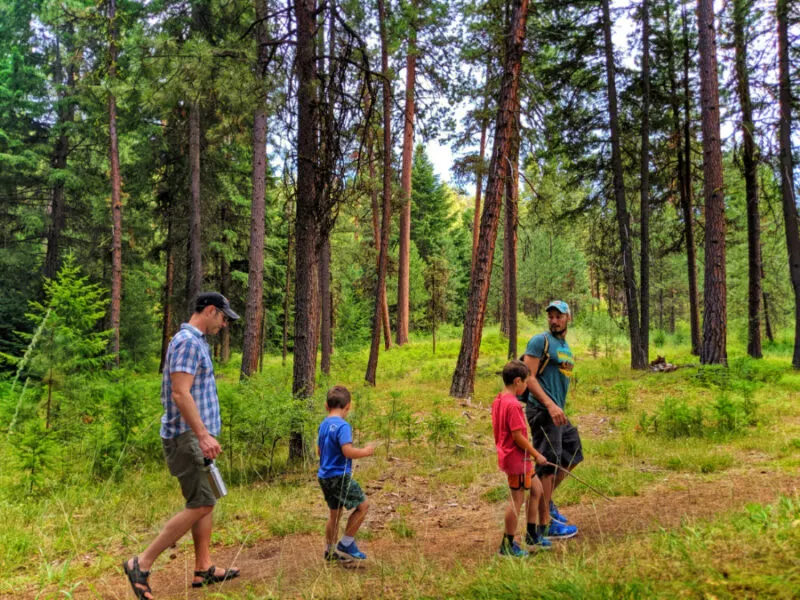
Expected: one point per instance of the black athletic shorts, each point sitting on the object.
(560, 445)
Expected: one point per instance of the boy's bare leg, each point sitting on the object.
(513, 510)
(356, 519)
(332, 526)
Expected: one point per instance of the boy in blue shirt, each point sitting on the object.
(336, 454)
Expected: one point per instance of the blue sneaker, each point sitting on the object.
(352, 550)
(512, 550)
(538, 543)
(557, 516)
(559, 531)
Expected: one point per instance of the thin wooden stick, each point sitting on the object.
(581, 481)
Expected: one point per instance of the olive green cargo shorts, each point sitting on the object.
(185, 461)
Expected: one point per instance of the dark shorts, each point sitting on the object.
(186, 462)
(560, 445)
(341, 491)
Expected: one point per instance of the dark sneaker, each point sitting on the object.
(559, 531)
(334, 557)
(352, 551)
(512, 550)
(538, 543)
(557, 516)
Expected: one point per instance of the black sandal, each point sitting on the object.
(209, 576)
(137, 577)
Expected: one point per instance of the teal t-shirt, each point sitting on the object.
(555, 378)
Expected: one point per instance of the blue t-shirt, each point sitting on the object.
(556, 375)
(334, 432)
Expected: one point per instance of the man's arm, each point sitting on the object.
(182, 395)
(535, 388)
(523, 442)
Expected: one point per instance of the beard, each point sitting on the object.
(554, 329)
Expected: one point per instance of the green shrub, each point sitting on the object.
(620, 398)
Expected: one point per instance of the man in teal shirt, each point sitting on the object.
(553, 435)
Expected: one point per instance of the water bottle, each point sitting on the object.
(215, 479)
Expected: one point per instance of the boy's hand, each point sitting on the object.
(540, 459)
(370, 447)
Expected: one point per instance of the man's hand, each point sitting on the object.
(210, 446)
(558, 416)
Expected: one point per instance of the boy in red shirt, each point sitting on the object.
(514, 455)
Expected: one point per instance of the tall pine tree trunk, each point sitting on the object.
(688, 212)
(195, 241)
(644, 276)
(289, 214)
(715, 315)
(403, 274)
(386, 219)
(326, 306)
(786, 166)
(376, 236)
(623, 219)
(116, 191)
(307, 229)
(464, 376)
(169, 288)
(254, 310)
(750, 166)
(476, 220)
(66, 115)
(510, 246)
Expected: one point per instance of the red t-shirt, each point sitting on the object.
(507, 416)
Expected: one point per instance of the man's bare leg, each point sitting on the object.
(174, 530)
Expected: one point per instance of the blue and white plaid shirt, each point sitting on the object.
(188, 352)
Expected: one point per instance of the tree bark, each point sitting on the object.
(403, 274)
(307, 227)
(715, 317)
(254, 310)
(383, 254)
(644, 262)
(688, 212)
(750, 166)
(463, 378)
(224, 289)
(786, 166)
(116, 191)
(767, 325)
(195, 240)
(623, 219)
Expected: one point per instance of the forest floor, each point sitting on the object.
(710, 516)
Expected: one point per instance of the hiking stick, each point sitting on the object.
(581, 481)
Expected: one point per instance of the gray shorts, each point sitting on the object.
(186, 462)
(560, 445)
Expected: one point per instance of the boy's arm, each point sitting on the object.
(351, 452)
(558, 416)
(523, 442)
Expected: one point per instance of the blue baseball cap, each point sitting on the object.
(559, 305)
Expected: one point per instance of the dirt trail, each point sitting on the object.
(450, 533)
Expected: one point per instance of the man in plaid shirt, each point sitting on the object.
(189, 428)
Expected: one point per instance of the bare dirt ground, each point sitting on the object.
(449, 533)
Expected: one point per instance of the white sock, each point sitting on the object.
(347, 540)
